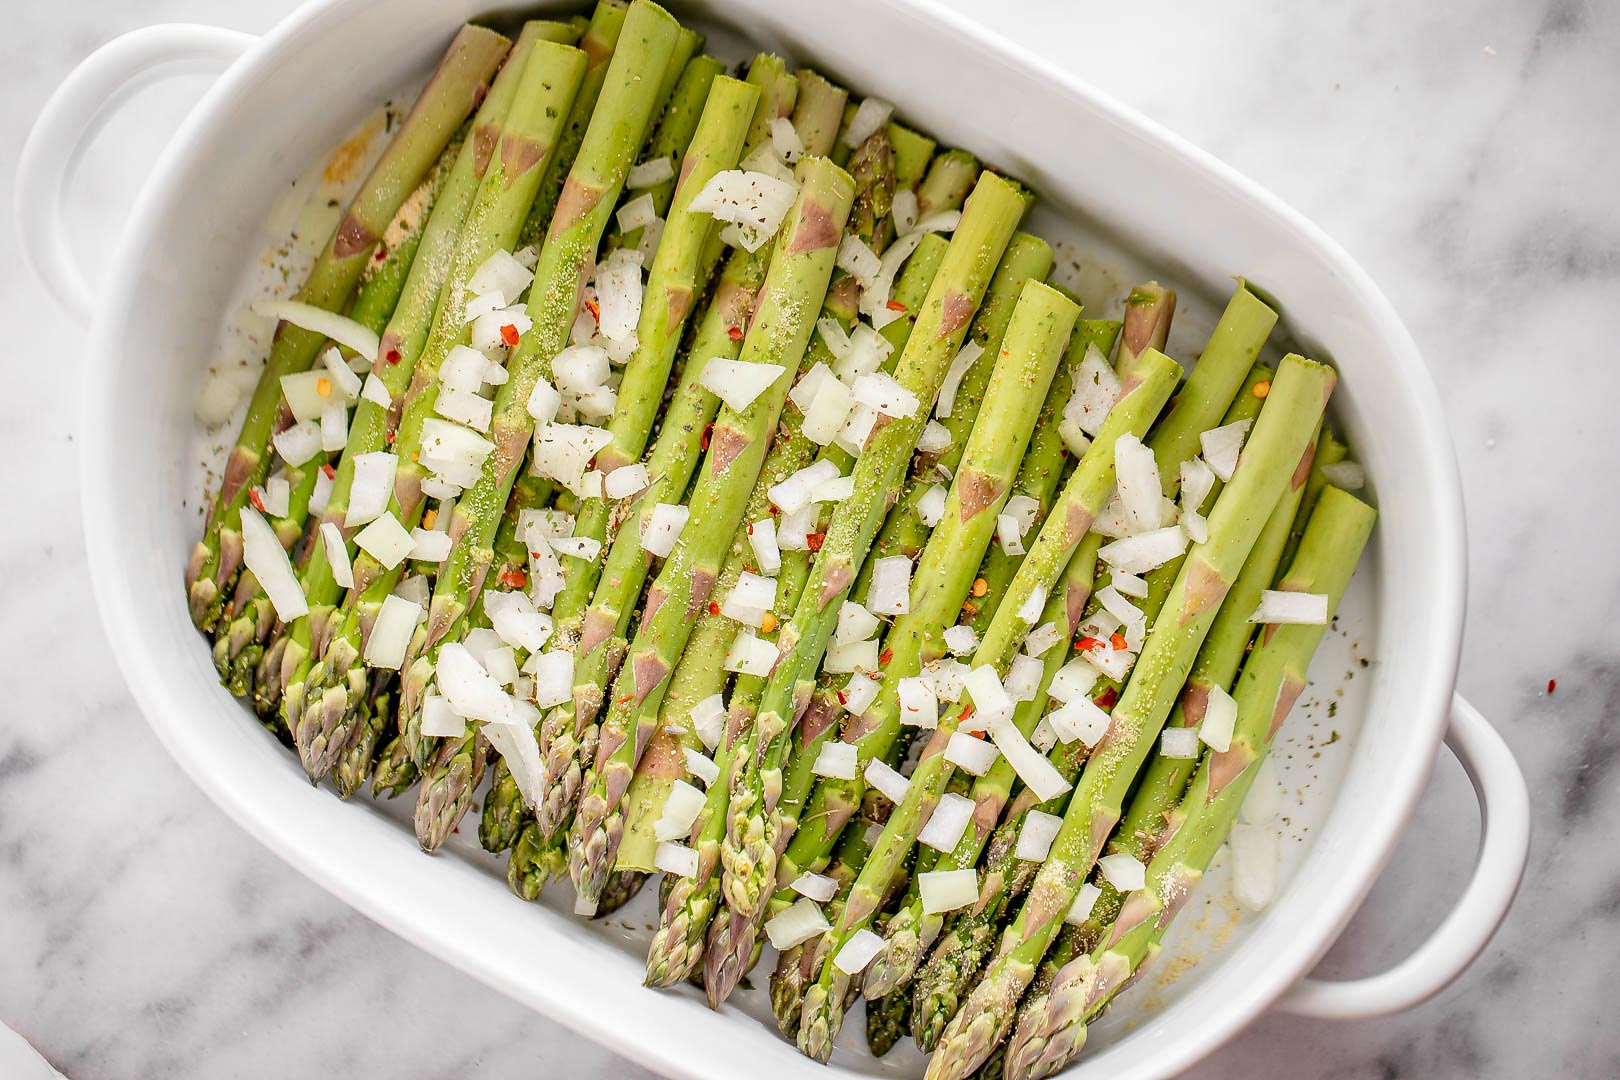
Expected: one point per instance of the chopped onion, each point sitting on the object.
(785, 139)
(795, 492)
(931, 506)
(344, 380)
(1197, 481)
(1145, 551)
(1178, 743)
(676, 859)
(810, 384)
(439, 720)
(749, 599)
(385, 540)
(817, 887)
(544, 401)
(939, 221)
(856, 430)
(890, 590)
(1264, 801)
(859, 693)
(337, 555)
(1347, 475)
(709, 720)
(322, 493)
(762, 539)
(738, 383)
(919, 703)
(990, 698)
(751, 656)
(1079, 719)
(855, 623)
(1128, 614)
(663, 528)
(618, 288)
(1033, 605)
(626, 481)
(1123, 871)
(471, 691)
(802, 921)
(1035, 836)
(858, 260)
(480, 306)
(935, 438)
(793, 530)
(636, 212)
(577, 547)
(1128, 584)
(835, 759)
(1023, 680)
(1112, 662)
(263, 554)
(429, 545)
(884, 393)
(1007, 534)
(947, 678)
(1042, 638)
(903, 211)
(563, 452)
(827, 412)
(298, 443)
(1032, 767)
(834, 336)
(836, 489)
(414, 588)
(871, 114)
(889, 783)
(1255, 856)
(334, 426)
(1280, 606)
(1220, 718)
(553, 674)
(1140, 491)
(1096, 389)
(971, 754)
(1222, 445)
(851, 656)
(682, 806)
(502, 664)
(1084, 901)
(344, 331)
(947, 823)
(755, 202)
(465, 407)
(961, 639)
(463, 369)
(650, 173)
(867, 351)
(860, 950)
(580, 369)
(701, 767)
(1076, 441)
(501, 273)
(515, 620)
(1073, 680)
(1111, 519)
(275, 498)
(454, 452)
(947, 890)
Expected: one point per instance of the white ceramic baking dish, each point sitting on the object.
(1133, 198)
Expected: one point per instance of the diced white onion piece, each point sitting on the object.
(439, 720)
(764, 159)
(750, 655)
(860, 950)
(1007, 534)
(1073, 680)
(577, 547)
(856, 430)
(738, 383)
(1022, 509)
(1264, 801)
(855, 623)
(700, 766)
(553, 674)
(650, 173)
(990, 699)
(263, 554)
(810, 384)
(1111, 519)
(935, 438)
(851, 656)
(1096, 389)
(663, 529)
(947, 890)
(299, 443)
(859, 693)
(1123, 871)
(1114, 602)
(837, 489)
(1042, 638)
(618, 285)
(480, 306)
(961, 639)
(748, 598)
(947, 823)
(709, 720)
(334, 427)
(858, 260)
(385, 540)
(429, 545)
(889, 783)
(1255, 855)
(931, 506)
(1178, 743)
(871, 114)
(884, 393)
(1220, 718)
(1145, 551)
(802, 921)
(762, 540)
(471, 691)
(502, 273)
(947, 678)
(1035, 836)
(794, 492)
(867, 351)
(301, 392)
(835, 759)
(1128, 584)
(337, 555)
(834, 336)
(1084, 901)
(440, 489)
(682, 806)
(515, 620)
(676, 859)
(1348, 475)
(793, 530)
(1278, 606)
(453, 451)
(890, 590)
(1139, 486)
(339, 328)
(502, 664)
(636, 212)
(275, 498)
(345, 383)
(1033, 605)
(414, 588)
(1032, 766)
(1112, 662)
(828, 411)
(563, 452)
(971, 754)
(817, 887)
(1222, 445)
(939, 221)
(1197, 480)
(785, 139)
(919, 703)
(756, 202)
(1079, 719)
(321, 495)
(481, 641)
(465, 407)
(965, 358)
(463, 369)
(488, 335)
(580, 369)
(590, 485)
(903, 210)
(1023, 680)
(626, 481)
(544, 400)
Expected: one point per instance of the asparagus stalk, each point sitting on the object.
(449, 95)
(672, 138)
(989, 217)
(529, 105)
(1146, 392)
(1148, 311)
(1280, 436)
(1274, 676)
(818, 114)
(800, 270)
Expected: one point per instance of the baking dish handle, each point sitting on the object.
(1504, 807)
(74, 113)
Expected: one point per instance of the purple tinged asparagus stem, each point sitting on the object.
(450, 94)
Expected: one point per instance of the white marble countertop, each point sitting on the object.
(1464, 152)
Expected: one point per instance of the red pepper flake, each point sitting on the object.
(253, 497)
(391, 439)
(509, 334)
(1117, 640)
(884, 657)
(772, 510)
(392, 356)
(1107, 699)
(595, 310)
(623, 699)
(382, 253)
(813, 541)
(895, 305)
(750, 529)
(703, 443)
(328, 472)
(1552, 684)
(1087, 643)
(735, 333)
(967, 714)
(714, 608)
(513, 577)
(843, 699)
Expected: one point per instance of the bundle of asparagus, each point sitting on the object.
(712, 457)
